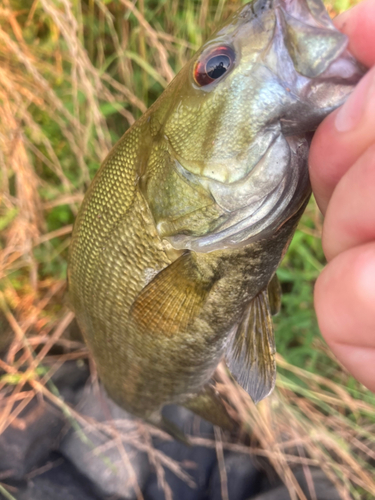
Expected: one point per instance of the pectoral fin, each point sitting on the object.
(175, 296)
(251, 353)
(274, 295)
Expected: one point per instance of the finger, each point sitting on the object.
(342, 138)
(350, 217)
(359, 24)
(344, 303)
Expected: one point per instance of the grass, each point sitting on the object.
(73, 77)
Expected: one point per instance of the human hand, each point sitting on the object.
(342, 171)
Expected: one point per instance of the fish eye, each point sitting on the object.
(213, 65)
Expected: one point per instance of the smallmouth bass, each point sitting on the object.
(175, 248)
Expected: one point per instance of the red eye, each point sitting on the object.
(213, 65)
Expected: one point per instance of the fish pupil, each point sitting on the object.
(214, 65)
(217, 66)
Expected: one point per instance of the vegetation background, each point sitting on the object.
(74, 75)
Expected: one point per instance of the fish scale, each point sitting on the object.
(175, 248)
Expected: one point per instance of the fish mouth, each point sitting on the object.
(319, 69)
(263, 212)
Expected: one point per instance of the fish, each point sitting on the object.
(173, 258)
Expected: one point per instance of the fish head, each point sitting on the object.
(238, 117)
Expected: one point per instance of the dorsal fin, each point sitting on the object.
(172, 299)
(251, 352)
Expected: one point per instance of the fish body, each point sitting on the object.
(175, 248)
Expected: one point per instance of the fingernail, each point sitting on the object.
(366, 271)
(352, 112)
